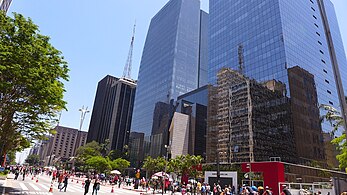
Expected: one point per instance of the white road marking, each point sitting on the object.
(73, 189)
(35, 187)
(23, 186)
(44, 186)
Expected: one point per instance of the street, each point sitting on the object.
(43, 184)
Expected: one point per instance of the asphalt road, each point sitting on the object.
(43, 184)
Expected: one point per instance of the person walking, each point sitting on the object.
(66, 179)
(60, 180)
(96, 187)
(86, 186)
(24, 173)
(16, 174)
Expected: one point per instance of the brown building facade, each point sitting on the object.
(61, 145)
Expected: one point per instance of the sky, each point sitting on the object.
(94, 37)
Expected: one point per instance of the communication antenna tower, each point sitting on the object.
(128, 64)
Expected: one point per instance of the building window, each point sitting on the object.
(327, 81)
(323, 61)
(330, 102)
(314, 17)
(325, 71)
(320, 43)
(312, 1)
(329, 91)
(316, 25)
(313, 9)
(318, 33)
(321, 51)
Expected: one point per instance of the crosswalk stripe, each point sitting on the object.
(23, 186)
(35, 187)
(77, 189)
(44, 186)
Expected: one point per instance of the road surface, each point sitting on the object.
(42, 184)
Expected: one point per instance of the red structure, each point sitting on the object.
(273, 172)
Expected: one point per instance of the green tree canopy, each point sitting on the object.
(33, 159)
(120, 164)
(32, 72)
(104, 147)
(336, 120)
(99, 164)
(154, 164)
(86, 152)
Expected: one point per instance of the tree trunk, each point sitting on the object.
(4, 160)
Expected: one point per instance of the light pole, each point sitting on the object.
(167, 147)
(83, 111)
(249, 166)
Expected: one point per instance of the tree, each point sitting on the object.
(154, 165)
(336, 120)
(120, 164)
(114, 154)
(86, 152)
(99, 164)
(104, 147)
(33, 159)
(32, 72)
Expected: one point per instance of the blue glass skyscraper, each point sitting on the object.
(265, 39)
(5, 5)
(174, 59)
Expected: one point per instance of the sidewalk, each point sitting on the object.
(144, 192)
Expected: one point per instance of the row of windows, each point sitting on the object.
(322, 60)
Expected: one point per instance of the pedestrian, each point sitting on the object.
(285, 191)
(60, 180)
(66, 179)
(24, 172)
(86, 186)
(16, 174)
(96, 187)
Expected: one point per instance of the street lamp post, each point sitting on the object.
(83, 111)
(167, 147)
(249, 166)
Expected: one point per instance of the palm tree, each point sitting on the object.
(104, 147)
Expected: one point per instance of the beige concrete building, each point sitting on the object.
(61, 145)
(179, 134)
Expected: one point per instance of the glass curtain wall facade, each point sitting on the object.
(171, 63)
(264, 38)
(5, 5)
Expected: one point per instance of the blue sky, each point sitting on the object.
(94, 37)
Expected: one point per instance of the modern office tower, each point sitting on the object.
(186, 121)
(61, 145)
(136, 147)
(112, 112)
(173, 60)
(162, 117)
(5, 5)
(263, 39)
(194, 105)
(253, 120)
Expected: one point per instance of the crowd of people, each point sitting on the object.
(154, 184)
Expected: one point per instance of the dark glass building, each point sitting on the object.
(174, 62)
(5, 5)
(194, 104)
(112, 112)
(265, 39)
